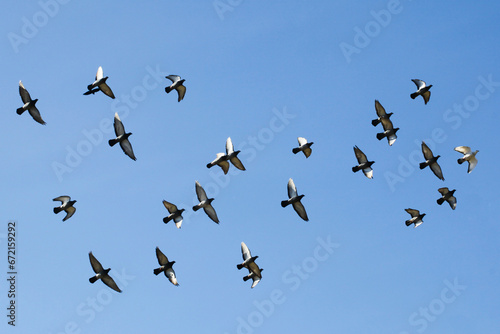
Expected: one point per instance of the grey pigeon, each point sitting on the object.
(363, 163)
(249, 261)
(431, 161)
(175, 214)
(255, 278)
(232, 155)
(102, 274)
(122, 138)
(165, 267)
(304, 146)
(221, 161)
(294, 199)
(99, 85)
(447, 195)
(177, 84)
(29, 105)
(416, 217)
(422, 90)
(66, 205)
(380, 113)
(205, 203)
(469, 156)
(389, 131)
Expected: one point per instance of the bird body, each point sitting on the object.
(416, 217)
(66, 205)
(175, 214)
(380, 113)
(249, 261)
(295, 200)
(29, 104)
(304, 147)
(221, 161)
(205, 203)
(177, 84)
(232, 155)
(447, 195)
(389, 131)
(165, 267)
(422, 90)
(256, 279)
(122, 138)
(469, 156)
(363, 163)
(101, 273)
(99, 85)
(431, 161)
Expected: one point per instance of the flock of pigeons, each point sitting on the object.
(223, 160)
(430, 160)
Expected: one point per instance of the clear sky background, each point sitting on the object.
(262, 73)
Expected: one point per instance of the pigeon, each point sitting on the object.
(422, 90)
(304, 146)
(416, 217)
(232, 155)
(166, 267)
(99, 85)
(254, 278)
(205, 203)
(102, 274)
(448, 197)
(389, 131)
(29, 105)
(380, 113)
(122, 138)
(364, 164)
(294, 199)
(66, 205)
(221, 161)
(177, 84)
(469, 156)
(249, 261)
(431, 161)
(175, 214)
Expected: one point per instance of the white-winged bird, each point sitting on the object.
(166, 267)
(175, 214)
(205, 203)
(422, 90)
(431, 161)
(29, 105)
(363, 163)
(232, 155)
(447, 195)
(177, 84)
(416, 217)
(66, 205)
(380, 113)
(221, 161)
(389, 131)
(249, 261)
(255, 278)
(101, 274)
(304, 146)
(469, 156)
(122, 138)
(294, 199)
(99, 85)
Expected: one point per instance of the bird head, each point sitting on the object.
(422, 215)
(396, 130)
(389, 114)
(34, 101)
(182, 210)
(107, 271)
(437, 157)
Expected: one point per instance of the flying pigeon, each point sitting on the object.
(363, 162)
(175, 214)
(294, 199)
(166, 267)
(416, 217)
(221, 161)
(122, 138)
(232, 155)
(380, 113)
(469, 156)
(254, 277)
(448, 197)
(431, 161)
(389, 131)
(177, 84)
(102, 274)
(422, 89)
(29, 105)
(99, 85)
(249, 261)
(304, 146)
(66, 205)
(205, 203)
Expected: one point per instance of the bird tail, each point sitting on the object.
(57, 210)
(423, 165)
(196, 208)
(239, 266)
(380, 136)
(166, 220)
(296, 150)
(209, 165)
(20, 111)
(284, 203)
(355, 169)
(375, 122)
(440, 201)
(413, 95)
(460, 161)
(246, 278)
(408, 223)
(112, 142)
(89, 87)
(92, 279)
(157, 271)
(168, 89)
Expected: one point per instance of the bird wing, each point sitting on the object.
(301, 211)
(302, 141)
(181, 91)
(392, 139)
(62, 199)
(200, 192)
(106, 279)
(292, 190)
(170, 273)
(443, 191)
(368, 172)
(254, 268)
(229, 146)
(162, 259)
(387, 124)
(33, 110)
(224, 165)
(463, 149)
(118, 125)
(69, 212)
(173, 78)
(99, 75)
(210, 211)
(237, 163)
(245, 252)
(436, 169)
(170, 207)
(127, 149)
(426, 96)
(360, 155)
(96, 265)
(379, 109)
(427, 151)
(25, 96)
(472, 164)
(452, 201)
(106, 90)
(307, 152)
(178, 221)
(420, 83)
(256, 281)
(413, 212)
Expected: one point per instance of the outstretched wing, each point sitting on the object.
(162, 259)
(118, 125)
(427, 151)
(463, 149)
(62, 199)
(181, 91)
(387, 124)
(360, 155)
(379, 109)
(413, 212)
(302, 141)
(301, 211)
(99, 75)
(245, 252)
(419, 83)
(200, 192)
(127, 149)
(229, 146)
(292, 190)
(106, 279)
(25, 96)
(96, 265)
(170, 207)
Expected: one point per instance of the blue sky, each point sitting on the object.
(262, 73)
